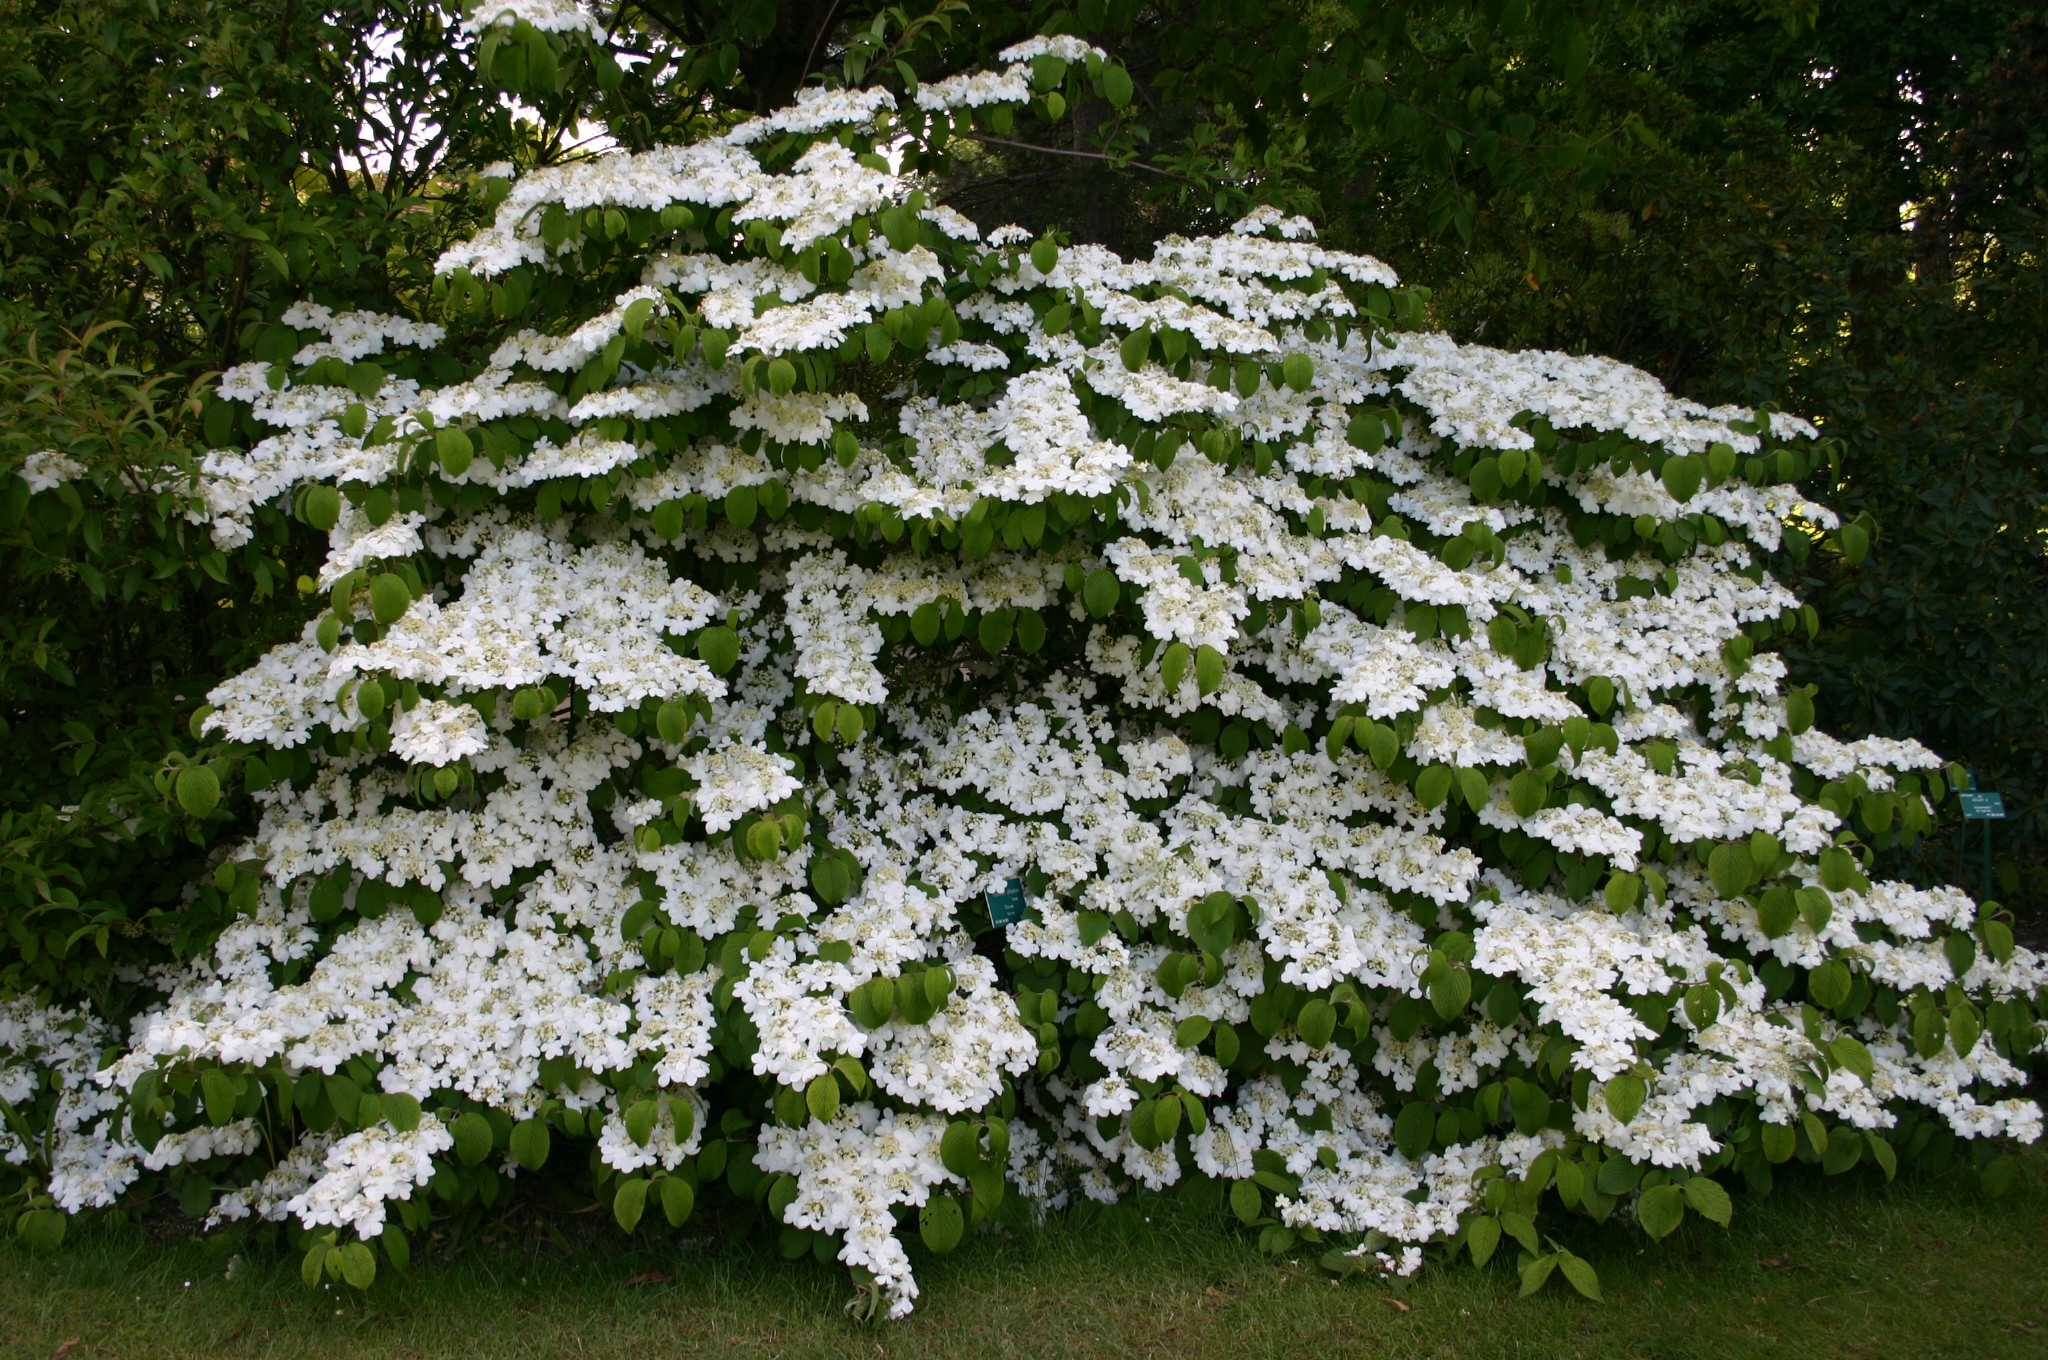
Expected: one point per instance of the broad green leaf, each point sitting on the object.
(1850, 1054)
(1708, 1199)
(629, 1202)
(1829, 984)
(822, 1096)
(358, 1265)
(1625, 1095)
(719, 648)
(198, 789)
(1660, 1210)
(1581, 1275)
(1482, 1235)
(1317, 1023)
(530, 1143)
(390, 597)
(1101, 592)
(1451, 991)
(940, 1223)
(1246, 1202)
(1731, 869)
(677, 1199)
(472, 1138)
(1414, 1127)
(1173, 666)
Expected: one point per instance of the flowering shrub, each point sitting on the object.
(833, 709)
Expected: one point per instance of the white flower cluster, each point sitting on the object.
(547, 16)
(1369, 729)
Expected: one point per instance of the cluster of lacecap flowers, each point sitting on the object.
(1369, 729)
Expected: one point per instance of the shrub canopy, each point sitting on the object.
(827, 706)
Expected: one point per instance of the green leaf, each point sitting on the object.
(1101, 592)
(1660, 1210)
(940, 1223)
(719, 648)
(1173, 667)
(1581, 1275)
(1776, 912)
(1317, 1023)
(677, 1199)
(851, 722)
(1851, 1055)
(1117, 87)
(1536, 1274)
(1208, 669)
(396, 1246)
(401, 1111)
(1449, 994)
(452, 447)
(1136, 347)
(472, 1138)
(358, 1265)
(1298, 371)
(959, 1149)
(321, 508)
(1414, 1127)
(1482, 1236)
(1709, 1200)
(42, 1229)
(1886, 1157)
(997, 625)
(742, 503)
(218, 1090)
(822, 1098)
(1998, 940)
(1829, 984)
(1045, 256)
(629, 1202)
(1731, 869)
(1625, 1095)
(1433, 786)
(530, 1143)
(1682, 477)
(198, 790)
(1961, 952)
(1246, 1202)
(390, 597)
(1484, 479)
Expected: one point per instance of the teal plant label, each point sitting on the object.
(1983, 805)
(1006, 904)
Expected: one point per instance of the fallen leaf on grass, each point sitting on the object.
(1398, 1304)
(64, 1349)
(650, 1277)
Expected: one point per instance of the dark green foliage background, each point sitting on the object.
(1711, 190)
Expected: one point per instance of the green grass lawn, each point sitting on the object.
(1819, 1270)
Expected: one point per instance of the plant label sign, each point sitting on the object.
(1983, 805)
(1006, 904)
